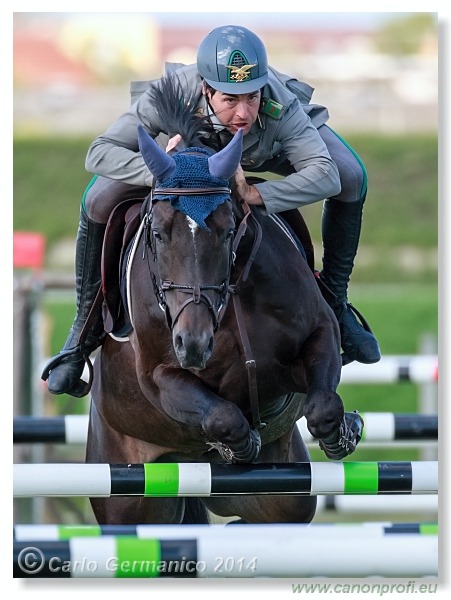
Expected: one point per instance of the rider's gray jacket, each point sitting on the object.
(286, 126)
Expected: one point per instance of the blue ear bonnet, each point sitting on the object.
(192, 172)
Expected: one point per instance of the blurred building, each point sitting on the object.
(72, 71)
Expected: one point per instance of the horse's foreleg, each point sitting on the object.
(187, 400)
(321, 365)
(338, 432)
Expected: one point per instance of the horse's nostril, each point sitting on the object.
(193, 350)
(178, 342)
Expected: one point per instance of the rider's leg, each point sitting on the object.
(341, 226)
(102, 195)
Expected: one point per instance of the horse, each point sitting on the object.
(230, 340)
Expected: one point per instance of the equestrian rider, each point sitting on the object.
(283, 134)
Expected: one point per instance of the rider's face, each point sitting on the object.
(235, 111)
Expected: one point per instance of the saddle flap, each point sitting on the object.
(122, 226)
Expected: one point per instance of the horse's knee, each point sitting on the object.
(226, 424)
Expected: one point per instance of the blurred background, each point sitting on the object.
(376, 71)
(378, 75)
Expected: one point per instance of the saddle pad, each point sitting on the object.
(289, 233)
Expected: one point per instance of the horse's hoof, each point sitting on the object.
(251, 451)
(346, 441)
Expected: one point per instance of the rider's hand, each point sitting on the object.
(172, 143)
(248, 193)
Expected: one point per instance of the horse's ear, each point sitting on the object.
(225, 163)
(160, 164)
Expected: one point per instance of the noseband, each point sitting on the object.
(197, 291)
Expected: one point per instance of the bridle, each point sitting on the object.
(196, 291)
(224, 289)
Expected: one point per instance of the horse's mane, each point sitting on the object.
(176, 113)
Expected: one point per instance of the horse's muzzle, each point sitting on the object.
(193, 351)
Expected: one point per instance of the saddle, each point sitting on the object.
(122, 227)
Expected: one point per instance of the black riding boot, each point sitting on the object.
(64, 370)
(341, 225)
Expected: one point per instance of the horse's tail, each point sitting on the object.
(195, 512)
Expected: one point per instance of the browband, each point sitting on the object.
(191, 191)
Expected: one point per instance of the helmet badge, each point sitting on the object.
(239, 69)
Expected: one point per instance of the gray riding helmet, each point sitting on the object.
(233, 60)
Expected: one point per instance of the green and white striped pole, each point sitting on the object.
(233, 551)
(205, 479)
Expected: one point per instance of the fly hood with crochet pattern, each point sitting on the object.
(192, 169)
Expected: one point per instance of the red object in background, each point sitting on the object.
(28, 250)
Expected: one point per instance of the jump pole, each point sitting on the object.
(205, 479)
(60, 533)
(419, 369)
(232, 552)
(379, 428)
(378, 505)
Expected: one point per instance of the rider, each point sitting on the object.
(283, 134)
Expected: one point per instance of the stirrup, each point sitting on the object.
(58, 359)
(79, 352)
(360, 320)
(80, 388)
(340, 309)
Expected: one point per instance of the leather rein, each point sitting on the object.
(224, 289)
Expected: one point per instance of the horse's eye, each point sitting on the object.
(229, 235)
(157, 235)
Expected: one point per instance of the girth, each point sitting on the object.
(280, 421)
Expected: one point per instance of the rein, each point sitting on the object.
(251, 366)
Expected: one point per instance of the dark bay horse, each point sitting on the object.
(232, 341)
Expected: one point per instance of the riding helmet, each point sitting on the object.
(232, 60)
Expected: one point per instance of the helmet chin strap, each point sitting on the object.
(211, 113)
